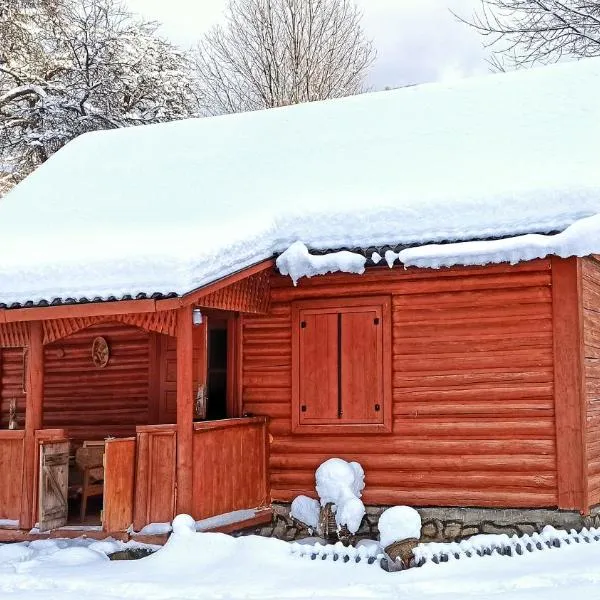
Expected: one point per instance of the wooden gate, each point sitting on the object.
(119, 483)
(155, 475)
(53, 484)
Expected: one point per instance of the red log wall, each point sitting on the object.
(473, 406)
(12, 384)
(11, 474)
(91, 402)
(590, 273)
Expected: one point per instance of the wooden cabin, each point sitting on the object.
(212, 383)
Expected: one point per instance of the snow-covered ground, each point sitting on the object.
(212, 566)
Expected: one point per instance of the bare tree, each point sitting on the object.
(525, 32)
(276, 52)
(72, 66)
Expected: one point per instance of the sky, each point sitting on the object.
(416, 40)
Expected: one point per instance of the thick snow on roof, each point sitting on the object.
(168, 208)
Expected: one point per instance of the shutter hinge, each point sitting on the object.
(376, 320)
(303, 324)
(303, 408)
(377, 407)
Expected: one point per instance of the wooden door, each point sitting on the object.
(53, 484)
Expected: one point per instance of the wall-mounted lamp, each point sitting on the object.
(197, 317)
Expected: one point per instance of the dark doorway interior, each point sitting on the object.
(217, 370)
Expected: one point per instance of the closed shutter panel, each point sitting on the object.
(361, 364)
(318, 352)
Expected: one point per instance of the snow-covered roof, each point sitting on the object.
(169, 208)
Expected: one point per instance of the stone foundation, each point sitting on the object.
(443, 524)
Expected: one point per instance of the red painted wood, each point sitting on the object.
(154, 495)
(317, 377)
(471, 387)
(92, 402)
(341, 365)
(569, 397)
(11, 473)
(33, 420)
(12, 385)
(185, 408)
(590, 285)
(167, 372)
(361, 368)
(229, 466)
(195, 296)
(90, 309)
(119, 480)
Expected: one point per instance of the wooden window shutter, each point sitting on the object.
(361, 366)
(318, 354)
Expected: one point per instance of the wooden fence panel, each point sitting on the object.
(155, 475)
(11, 473)
(230, 462)
(119, 481)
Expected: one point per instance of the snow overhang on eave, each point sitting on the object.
(60, 308)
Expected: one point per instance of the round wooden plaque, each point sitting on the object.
(100, 352)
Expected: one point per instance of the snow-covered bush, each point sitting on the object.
(305, 510)
(335, 476)
(341, 483)
(399, 523)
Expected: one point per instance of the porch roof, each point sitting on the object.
(164, 209)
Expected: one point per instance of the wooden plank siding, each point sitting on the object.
(229, 466)
(473, 405)
(119, 484)
(12, 384)
(11, 473)
(590, 279)
(91, 402)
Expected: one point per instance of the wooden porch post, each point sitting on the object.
(185, 409)
(34, 377)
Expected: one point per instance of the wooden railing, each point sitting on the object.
(230, 471)
(11, 473)
(230, 466)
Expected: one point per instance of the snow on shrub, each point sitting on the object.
(335, 476)
(305, 510)
(399, 523)
(341, 483)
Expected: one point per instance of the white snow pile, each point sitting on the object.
(399, 523)
(341, 483)
(297, 262)
(54, 553)
(579, 239)
(337, 482)
(305, 510)
(213, 566)
(171, 207)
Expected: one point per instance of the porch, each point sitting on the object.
(151, 389)
(229, 473)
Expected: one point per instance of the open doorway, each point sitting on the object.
(86, 484)
(216, 380)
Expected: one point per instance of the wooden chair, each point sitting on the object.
(90, 460)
